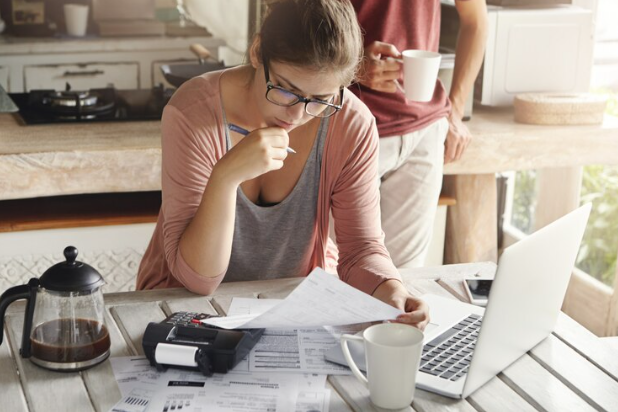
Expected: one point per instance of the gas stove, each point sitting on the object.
(95, 105)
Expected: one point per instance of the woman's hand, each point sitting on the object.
(259, 152)
(395, 294)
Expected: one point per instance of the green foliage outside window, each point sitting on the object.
(524, 201)
(597, 255)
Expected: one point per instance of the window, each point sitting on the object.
(592, 298)
(599, 249)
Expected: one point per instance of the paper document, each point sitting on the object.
(320, 300)
(144, 389)
(292, 350)
(230, 392)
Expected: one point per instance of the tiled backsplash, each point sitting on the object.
(118, 267)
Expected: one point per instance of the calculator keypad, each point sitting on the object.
(191, 319)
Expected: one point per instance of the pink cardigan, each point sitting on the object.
(193, 140)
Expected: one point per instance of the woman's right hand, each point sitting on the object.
(259, 152)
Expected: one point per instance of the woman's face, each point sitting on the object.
(301, 81)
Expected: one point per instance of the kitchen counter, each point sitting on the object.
(65, 159)
(499, 144)
(126, 156)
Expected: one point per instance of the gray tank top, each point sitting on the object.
(273, 242)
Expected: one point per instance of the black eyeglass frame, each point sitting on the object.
(301, 99)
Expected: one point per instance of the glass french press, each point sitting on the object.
(64, 325)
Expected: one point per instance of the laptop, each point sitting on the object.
(466, 345)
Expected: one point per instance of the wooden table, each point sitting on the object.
(572, 370)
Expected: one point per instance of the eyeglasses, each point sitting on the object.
(313, 107)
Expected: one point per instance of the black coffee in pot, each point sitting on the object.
(69, 340)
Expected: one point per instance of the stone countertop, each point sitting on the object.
(499, 144)
(17, 138)
(126, 156)
(67, 159)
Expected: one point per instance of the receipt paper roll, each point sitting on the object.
(180, 355)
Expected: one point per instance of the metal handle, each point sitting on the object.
(86, 73)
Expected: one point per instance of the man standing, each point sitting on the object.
(416, 139)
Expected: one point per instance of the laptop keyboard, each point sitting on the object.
(448, 355)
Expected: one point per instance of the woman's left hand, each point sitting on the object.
(395, 294)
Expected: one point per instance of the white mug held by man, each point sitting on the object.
(420, 72)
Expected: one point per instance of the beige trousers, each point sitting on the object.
(410, 170)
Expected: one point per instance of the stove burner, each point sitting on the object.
(94, 105)
(74, 103)
(70, 99)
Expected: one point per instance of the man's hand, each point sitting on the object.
(457, 139)
(379, 71)
(468, 59)
(395, 294)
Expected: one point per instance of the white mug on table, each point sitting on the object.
(420, 72)
(76, 19)
(392, 355)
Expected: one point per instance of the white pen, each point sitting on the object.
(245, 132)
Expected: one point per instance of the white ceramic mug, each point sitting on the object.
(420, 72)
(392, 356)
(76, 19)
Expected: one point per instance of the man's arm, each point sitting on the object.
(468, 60)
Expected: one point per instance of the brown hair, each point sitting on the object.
(321, 34)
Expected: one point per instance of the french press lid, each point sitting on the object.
(72, 275)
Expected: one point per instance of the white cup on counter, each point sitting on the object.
(392, 356)
(76, 19)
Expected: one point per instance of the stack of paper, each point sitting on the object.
(320, 300)
(144, 389)
(299, 330)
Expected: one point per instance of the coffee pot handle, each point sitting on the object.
(27, 292)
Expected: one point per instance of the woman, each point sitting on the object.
(240, 206)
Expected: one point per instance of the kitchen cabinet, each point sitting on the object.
(82, 76)
(91, 62)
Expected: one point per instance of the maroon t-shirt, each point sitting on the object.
(407, 24)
